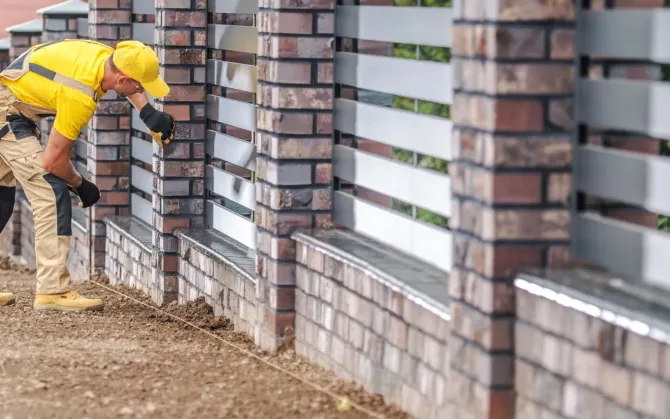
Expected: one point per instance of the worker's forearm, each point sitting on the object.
(138, 100)
(64, 169)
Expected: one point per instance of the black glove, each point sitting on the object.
(160, 124)
(88, 193)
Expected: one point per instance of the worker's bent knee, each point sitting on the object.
(63, 204)
(7, 196)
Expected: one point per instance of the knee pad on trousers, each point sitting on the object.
(7, 197)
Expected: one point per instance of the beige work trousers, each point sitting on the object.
(21, 159)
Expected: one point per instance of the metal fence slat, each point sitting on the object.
(137, 123)
(81, 149)
(629, 177)
(410, 25)
(144, 7)
(231, 187)
(425, 80)
(232, 6)
(82, 27)
(233, 37)
(233, 75)
(142, 179)
(232, 112)
(141, 208)
(425, 134)
(230, 149)
(428, 243)
(627, 249)
(231, 224)
(629, 105)
(144, 32)
(142, 150)
(422, 187)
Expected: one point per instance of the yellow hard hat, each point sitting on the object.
(140, 63)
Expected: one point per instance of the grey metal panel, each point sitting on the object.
(144, 7)
(144, 32)
(230, 149)
(624, 248)
(232, 6)
(141, 208)
(428, 243)
(142, 150)
(233, 37)
(411, 25)
(142, 179)
(634, 34)
(425, 134)
(232, 112)
(232, 225)
(633, 178)
(137, 122)
(233, 75)
(81, 149)
(631, 105)
(231, 187)
(399, 76)
(82, 27)
(422, 187)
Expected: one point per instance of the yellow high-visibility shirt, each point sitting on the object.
(78, 59)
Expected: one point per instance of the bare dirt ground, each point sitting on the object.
(131, 361)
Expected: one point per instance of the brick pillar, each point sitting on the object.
(23, 36)
(181, 33)
(109, 131)
(4, 53)
(511, 179)
(294, 145)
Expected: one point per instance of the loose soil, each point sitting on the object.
(131, 361)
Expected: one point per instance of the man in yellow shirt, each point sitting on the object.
(65, 79)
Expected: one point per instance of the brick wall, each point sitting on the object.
(80, 245)
(128, 261)
(21, 41)
(58, 27)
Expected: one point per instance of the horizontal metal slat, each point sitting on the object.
(144, 32)
(142, 150)
(425, 134)
(141, 208)
(142, 179)
(428, 243)
(628, 249)
(630, 105)
(137, 122)
(631, 34)
(633, 178)
(81, 149)
(144, 7)
(231, 187)
(232, 225)
(230, 149)
(399, 76)
(81, 168)
(422, 187)
(232, 37)
(410, 25)
(232, 6)
(232, 112)
(82, 27)
(233, 75)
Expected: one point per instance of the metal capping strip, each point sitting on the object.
(141, 208)
(144, 32)
(142, 179)
(144, 7)
(142, 150)
(622, 247)
(233, 38)
(232, 6)
(632, 34)
(231, 224)
(428, 243)
(231, 187)
(410, 25)
(232, 112)
(399, 128)
(425, 80)
(629, 105)
(624, 176)
(417, 186)
(230, 149)
(624, 318)
(233, 75)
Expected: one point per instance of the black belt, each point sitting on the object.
(22, 127)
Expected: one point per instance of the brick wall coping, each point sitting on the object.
(218, 247)
(133, 229)
(636, 308)
(421, 284)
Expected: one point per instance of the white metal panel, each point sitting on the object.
(142, 150)
(232, 112)
(232, 150)
(141, 208)
(144, 7)
(144, 32)
(231, 187)
(233, 37)
(233, 6)
(233, 75)
(232, 225)
(142, 179)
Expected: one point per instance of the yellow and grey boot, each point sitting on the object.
(67, 301)
(7, 299)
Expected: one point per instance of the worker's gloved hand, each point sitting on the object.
(89, 194)
(160, 124)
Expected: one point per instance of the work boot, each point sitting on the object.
(7, 299)
(67, 301)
